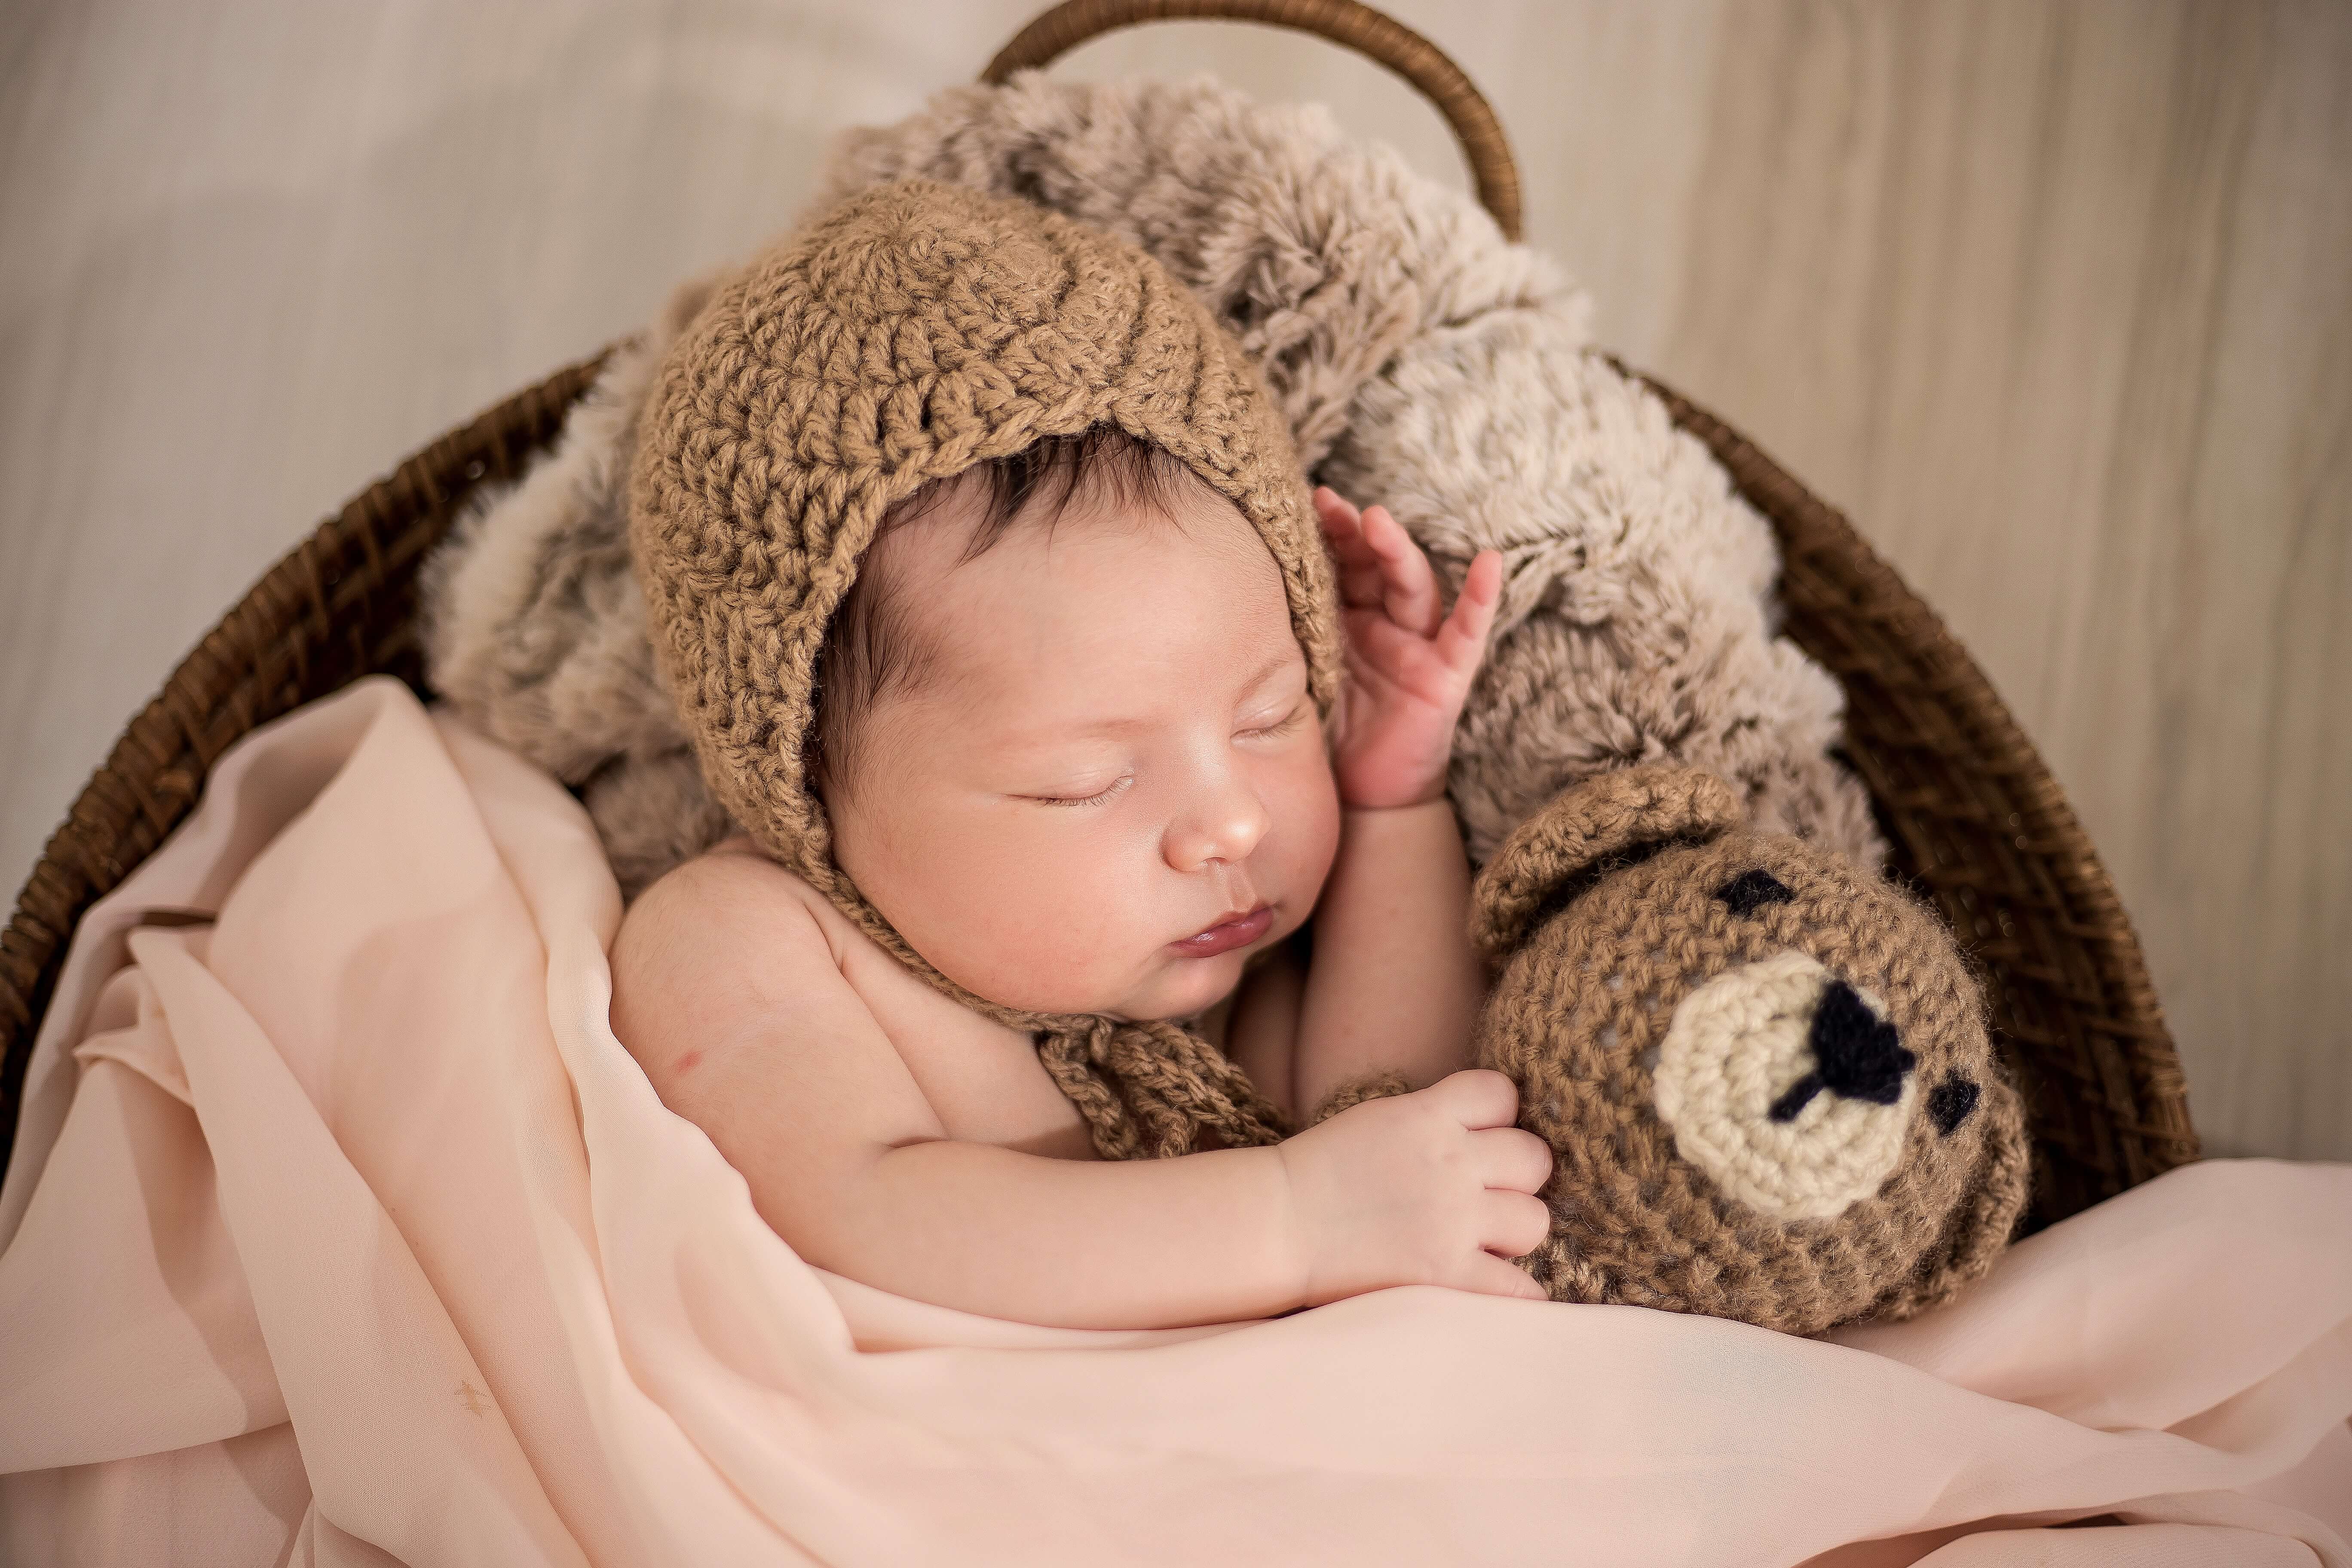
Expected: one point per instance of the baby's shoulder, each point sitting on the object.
(731, 899)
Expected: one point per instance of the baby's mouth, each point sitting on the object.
(1237, 931)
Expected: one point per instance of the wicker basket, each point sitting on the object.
(1975, 819)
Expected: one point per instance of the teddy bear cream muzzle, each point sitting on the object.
(1786, 1086)
(1766, 1078)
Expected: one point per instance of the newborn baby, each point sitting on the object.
(982, 570)
(997, 747)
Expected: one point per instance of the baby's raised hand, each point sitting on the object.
(1410, 664)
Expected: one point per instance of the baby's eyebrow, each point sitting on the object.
(1268, 668)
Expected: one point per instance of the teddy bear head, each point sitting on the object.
(1765, 1076)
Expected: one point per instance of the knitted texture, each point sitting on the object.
(1616, 816)
(1422, 362)
(1356, 1091)
(1746, 1039)
(917, 329)
(1734, 1045)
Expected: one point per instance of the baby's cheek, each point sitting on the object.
(1311, 830)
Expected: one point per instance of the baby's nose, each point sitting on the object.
(1226, 826)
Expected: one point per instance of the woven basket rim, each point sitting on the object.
(1808, 526)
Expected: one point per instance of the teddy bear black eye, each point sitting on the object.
(1752, 890)
(1950, 1101)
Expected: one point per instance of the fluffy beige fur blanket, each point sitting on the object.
(1423, 362)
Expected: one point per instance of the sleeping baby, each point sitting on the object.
(980, 564)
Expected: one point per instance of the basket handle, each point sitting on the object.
(1357, 25)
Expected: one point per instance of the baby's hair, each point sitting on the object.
(875, 646)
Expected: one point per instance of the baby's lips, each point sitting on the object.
(1228, 933)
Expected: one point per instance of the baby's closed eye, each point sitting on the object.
(1282, 725)
(1289, 721)
(1103, 796)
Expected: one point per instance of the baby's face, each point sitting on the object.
(1119, 751)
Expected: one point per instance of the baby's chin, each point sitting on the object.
(1179, 988)
(1188, 986)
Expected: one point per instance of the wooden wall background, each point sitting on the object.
(2054, 296)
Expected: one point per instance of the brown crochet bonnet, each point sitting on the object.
(912, 333)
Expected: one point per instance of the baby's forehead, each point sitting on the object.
(1048, 617)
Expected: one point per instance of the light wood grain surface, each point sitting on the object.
(2054, 297)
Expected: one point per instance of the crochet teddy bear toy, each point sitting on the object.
(1765, 1078)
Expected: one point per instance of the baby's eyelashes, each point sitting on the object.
(1283, 725)
(1100, 798)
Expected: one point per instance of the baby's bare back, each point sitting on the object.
(939, 1170)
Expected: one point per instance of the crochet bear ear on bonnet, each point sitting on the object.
(912, 333)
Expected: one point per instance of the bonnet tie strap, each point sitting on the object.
(1149, 1089)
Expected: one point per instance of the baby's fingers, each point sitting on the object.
(1363, 574)
(1514, 1223)
(1490, 1276)
(1408, 587)
(1462, 640)
(1336, 510)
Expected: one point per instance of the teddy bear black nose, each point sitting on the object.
(1856, 1053)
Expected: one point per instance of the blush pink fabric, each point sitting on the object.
(342, 1230)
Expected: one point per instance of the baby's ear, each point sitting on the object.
(1580, 832)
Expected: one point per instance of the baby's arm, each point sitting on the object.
(727, 991)
(1394, 985)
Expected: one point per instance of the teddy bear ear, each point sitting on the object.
(1552, 855)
